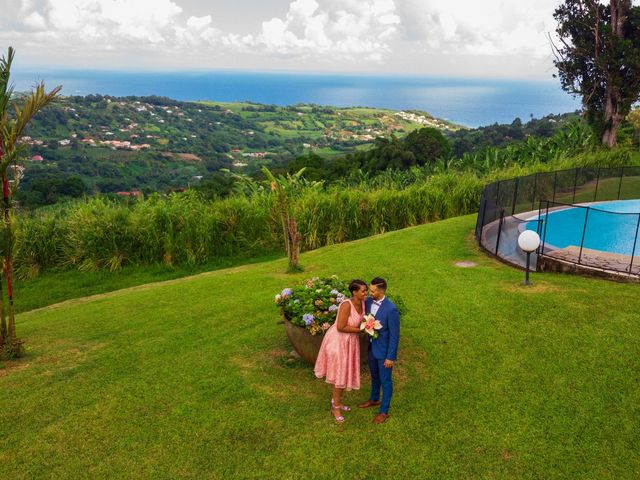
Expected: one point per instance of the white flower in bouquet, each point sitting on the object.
(371, 326)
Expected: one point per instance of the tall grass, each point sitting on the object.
(98, 233)
(183, 228)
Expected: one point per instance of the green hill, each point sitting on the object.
(188, 378)
(110, 144)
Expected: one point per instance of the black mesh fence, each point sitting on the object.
(566, 208)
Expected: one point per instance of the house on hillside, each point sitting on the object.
(132, 193)
(37, 158)
(255, 154)
(117, 144)
(142, 146)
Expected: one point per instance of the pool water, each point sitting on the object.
(611, 227)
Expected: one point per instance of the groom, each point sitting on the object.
(383, 350)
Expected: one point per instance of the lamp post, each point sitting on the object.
(528, 241)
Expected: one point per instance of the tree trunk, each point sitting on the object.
(294, 235)
(284, 217)
(11, 330)
(612, 117)
(613, 98)
(3, 319)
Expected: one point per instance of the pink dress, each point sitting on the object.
(339, 356)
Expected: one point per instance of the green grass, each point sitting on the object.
(55, 287)
(186, 378)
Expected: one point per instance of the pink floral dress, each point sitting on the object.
(339, 356)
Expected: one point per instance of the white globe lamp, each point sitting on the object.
(528, 241)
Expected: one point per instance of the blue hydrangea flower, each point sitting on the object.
(334, 292)
(287, 292)
(333, 308)
(307, 318)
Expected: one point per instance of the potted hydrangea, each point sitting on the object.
(309, 310)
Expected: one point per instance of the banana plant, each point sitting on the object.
(286, 188)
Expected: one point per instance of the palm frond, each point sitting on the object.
(6, 89)
(5, 70)
(13, 129)
(32, 105)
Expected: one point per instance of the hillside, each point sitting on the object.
(190, 378)
(131, 145)
(107, 144)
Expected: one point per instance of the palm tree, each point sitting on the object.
(15, 115)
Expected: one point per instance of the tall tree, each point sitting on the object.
(599, 59)
(428, 145)
(15, 115)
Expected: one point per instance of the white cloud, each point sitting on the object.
(109, 24)
(342, 29)
(322, 34)
(199, 23)
(198, 33)
(117, 20)
(35, 20)
(483, 28)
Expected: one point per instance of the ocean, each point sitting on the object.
(469, 102)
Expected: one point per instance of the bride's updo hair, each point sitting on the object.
(356, 285)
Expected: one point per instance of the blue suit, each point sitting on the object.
(385, 347)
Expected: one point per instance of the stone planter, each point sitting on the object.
(308, 346)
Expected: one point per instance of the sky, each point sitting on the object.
(468, 38)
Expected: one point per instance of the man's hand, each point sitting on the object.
(388, 364)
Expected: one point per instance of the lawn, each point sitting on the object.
(188, 378)
(55, 287)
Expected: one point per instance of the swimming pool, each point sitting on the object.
(610, 227)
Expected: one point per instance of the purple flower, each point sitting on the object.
(307, 318)
(333, 308)
(334, 292)
(287, 292)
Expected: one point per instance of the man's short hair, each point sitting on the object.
(381, 283)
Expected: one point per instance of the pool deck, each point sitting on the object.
(591, 262)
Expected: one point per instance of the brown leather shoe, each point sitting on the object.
(369, 404)
(380, 418)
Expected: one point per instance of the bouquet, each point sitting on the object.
(371, 326)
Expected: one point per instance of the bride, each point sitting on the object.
(339, 357)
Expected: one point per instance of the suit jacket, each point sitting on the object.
(385, 347)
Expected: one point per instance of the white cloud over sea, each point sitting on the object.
(409, 36)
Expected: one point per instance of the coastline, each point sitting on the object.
(462, 101)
